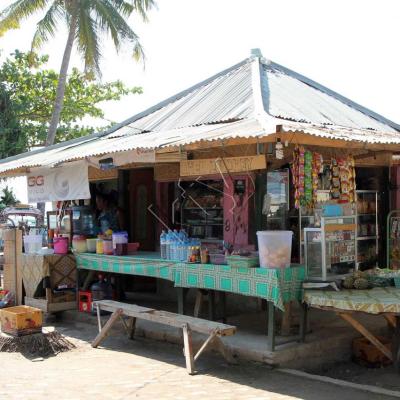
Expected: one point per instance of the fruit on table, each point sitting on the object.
(348, 282)
(361, 283)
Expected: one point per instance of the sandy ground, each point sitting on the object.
(146, 369)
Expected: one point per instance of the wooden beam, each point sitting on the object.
(188, 348)
(103, 333)
(366, 333)
(205, 344)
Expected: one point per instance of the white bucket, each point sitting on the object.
(33, 244)
(275, 248)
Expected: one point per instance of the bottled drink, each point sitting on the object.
(168, 244)
(163, 245)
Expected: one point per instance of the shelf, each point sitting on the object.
(367, 238)
(366, 215)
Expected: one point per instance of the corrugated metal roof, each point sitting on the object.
(247, 100)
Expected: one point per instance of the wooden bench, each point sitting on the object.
(214, 330)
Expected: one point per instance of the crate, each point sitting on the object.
(243, 262)
(85, 301)
(21, 320)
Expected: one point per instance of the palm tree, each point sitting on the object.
(86, 21)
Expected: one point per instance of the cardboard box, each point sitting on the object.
(21, 320)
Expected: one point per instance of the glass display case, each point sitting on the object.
(276, 202)
(331, 251)
(368, 228)
(202, 213)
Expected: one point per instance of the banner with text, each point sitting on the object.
(62, 183)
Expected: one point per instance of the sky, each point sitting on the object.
(350, 46)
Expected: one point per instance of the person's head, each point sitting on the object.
(102, 201)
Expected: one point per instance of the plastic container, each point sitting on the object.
(91, 245)
(108, 247)
(60, 245)
(33, 243)
(99, 246)
(332, 210)
(79, 244)
(242, 262)
(274, 248)
(119, 238)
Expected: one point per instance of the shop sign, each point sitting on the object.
(215, 166)
(69, 182)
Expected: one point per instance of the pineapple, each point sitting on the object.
(348, 282)
(361, 284)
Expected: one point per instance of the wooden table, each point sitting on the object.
(347, 303)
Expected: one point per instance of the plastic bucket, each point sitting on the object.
(33, 243)
(107, 247)
(61, 245)
(91, 245)
(275, 248)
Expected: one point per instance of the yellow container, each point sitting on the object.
(21, 320)
(99, 246)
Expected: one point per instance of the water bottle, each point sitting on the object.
(163, 244)
(168, 244)
(175, 244)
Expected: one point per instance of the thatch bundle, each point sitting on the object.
(44, 344)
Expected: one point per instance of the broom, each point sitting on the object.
(42, 345)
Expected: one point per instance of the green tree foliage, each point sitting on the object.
(87, 22)
(8, 198)
(27, 93)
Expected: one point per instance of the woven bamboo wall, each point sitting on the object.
(10, 263)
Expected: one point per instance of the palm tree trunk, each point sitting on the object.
(62, 80)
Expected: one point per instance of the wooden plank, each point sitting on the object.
(366, 333)
(212, 166)
(188, 348)
(168, 318)
(103, 333)
(391, 319)
(166, 172)
(96, 174)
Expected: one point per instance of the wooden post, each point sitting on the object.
(198, 303)
(303, 322)
(286, 320)
(12, 263)
(103, 333)
(396, 343)
(271, 326)
(132, 328)
(188, 348)
(366, 333)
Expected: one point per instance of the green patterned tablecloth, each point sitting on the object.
(276, 285)
(373, 301)
(130, 265)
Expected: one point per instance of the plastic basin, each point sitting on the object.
(275, 248)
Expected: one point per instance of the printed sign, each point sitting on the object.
(214, 166)
(62, 183)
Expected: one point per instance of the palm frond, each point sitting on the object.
(111, 21)
(143, 7)
(88, 39)
(47, 26)
(12, 15)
